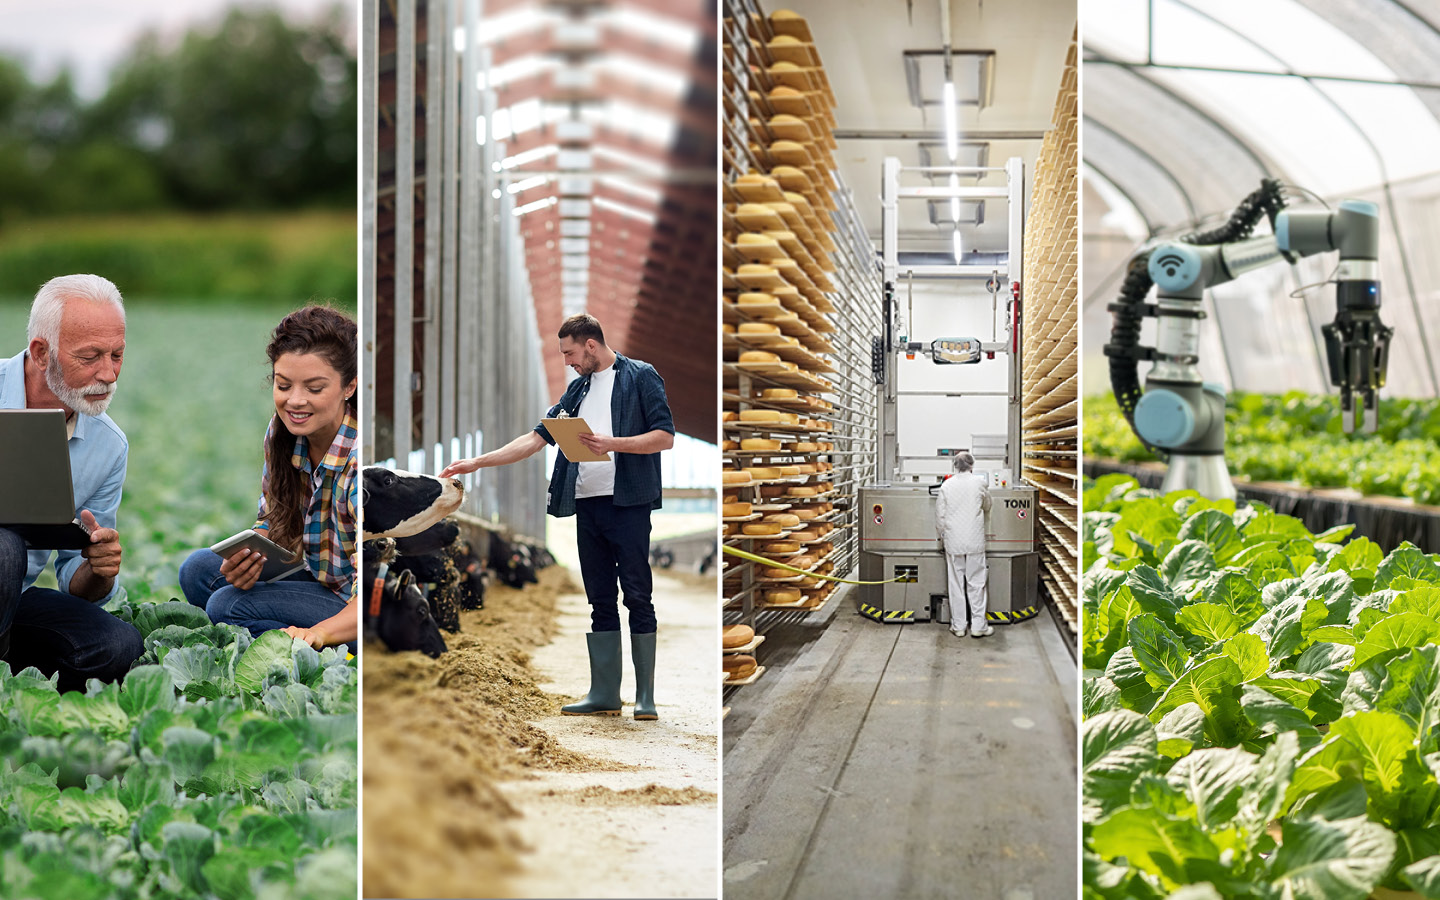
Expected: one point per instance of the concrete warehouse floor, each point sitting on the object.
(879, 760)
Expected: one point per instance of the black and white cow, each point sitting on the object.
(399, 504)
(395, 610)
(511, 562)
(428, 557)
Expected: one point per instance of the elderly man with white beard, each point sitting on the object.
(76, 346)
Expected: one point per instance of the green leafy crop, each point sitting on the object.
(1261, 704)
(1297, 437)
(222, 767)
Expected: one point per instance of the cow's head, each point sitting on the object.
(436, 537)
(398, 504)
(395, 610)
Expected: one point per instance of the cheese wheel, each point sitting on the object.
(803, 491)
(760, 415)
(757, 356)
(755, 178)
(808, 468)
(755, 269)
(789, 471)
(727, 445)
(732, 510)
(728, 415)
(782, 595)
(727, 328)
(771, 491)
(760, 529)
(809, 534)
(762, 472)
(777, 573)
(730, 476)
(779, 393)
(789, 418)
(731, 529)
(804, 513)
(749, 237)
(780, 547)
(784, 39)
(786, 520)
(739, 665)
(759, 444)
(758, 328)
(754, 298)
(805, 447)
(736, 636)
(730, 498)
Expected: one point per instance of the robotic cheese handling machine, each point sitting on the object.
(897, 514)
(1179, 415)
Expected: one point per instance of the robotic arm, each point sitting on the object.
(1181, 416)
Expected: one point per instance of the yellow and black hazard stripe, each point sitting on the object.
(1010, 617)
(896, 616)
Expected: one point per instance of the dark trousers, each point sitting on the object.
(614, 544)
(59, 632)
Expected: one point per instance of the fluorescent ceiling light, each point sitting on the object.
(625, 210)
(952, 131)
(542, 203)
(643, 72)
(637, 164)
(678, 35)
(529, 156)
(621, 183)
(956, 242)
(527, 183)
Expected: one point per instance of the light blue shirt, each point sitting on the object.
(98, 453)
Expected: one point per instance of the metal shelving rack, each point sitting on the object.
(1051, 377)
(833, 286)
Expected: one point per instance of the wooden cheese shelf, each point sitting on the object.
(1050, 404)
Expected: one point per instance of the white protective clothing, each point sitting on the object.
(960, 509)
(967, 587)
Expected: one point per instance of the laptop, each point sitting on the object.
(37, 500)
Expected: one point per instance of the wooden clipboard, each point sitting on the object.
(566, 433)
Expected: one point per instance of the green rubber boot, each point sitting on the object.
(604, 696)
(642, 648)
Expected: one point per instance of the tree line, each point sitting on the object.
(251, 113)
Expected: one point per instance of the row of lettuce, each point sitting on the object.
(1296, 437)
(220, 767)
(1261, 705)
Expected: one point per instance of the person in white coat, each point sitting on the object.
(960, 510)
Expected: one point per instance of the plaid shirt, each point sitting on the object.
(328, 536)
(637, 406)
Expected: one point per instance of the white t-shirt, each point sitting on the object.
(597, 479)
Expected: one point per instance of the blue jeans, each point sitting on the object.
(295, 600)
(59, 632)
(614, 545)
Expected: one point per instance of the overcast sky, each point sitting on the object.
(92, 35)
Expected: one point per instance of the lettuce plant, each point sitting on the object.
(220, 768)
(1261, 704)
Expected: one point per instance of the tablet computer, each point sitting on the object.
(278, 562)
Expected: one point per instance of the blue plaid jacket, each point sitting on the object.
(637, 406)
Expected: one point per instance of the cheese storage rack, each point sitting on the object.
(798, 275)
(1051, 377)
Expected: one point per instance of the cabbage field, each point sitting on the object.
(1296, 437)
(1261, 705)
(221, 767)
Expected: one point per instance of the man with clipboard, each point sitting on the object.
(71, 363)
(626, 425)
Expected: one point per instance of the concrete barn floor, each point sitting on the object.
(651, 831)
(879, 760)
